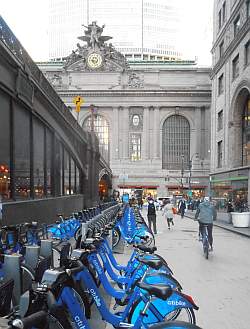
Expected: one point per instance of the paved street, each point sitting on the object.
(221, 285)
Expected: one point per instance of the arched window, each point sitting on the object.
(175, 143)
(246, 133)
(101, 129)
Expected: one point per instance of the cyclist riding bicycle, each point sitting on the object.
(206, 214)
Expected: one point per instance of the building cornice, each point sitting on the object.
(233, 45)
(228, 170)
(221, 34)
(137, 93)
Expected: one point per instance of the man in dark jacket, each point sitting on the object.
(182, 207)
(152, 215)
(206, 214)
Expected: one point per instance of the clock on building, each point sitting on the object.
(94, 60)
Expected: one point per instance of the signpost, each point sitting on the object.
(78, 101)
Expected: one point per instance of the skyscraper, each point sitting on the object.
(141, 29)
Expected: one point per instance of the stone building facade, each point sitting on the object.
(230, 115)
(152, 118)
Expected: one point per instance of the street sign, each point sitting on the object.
(78, 101)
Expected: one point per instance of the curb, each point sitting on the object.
(228, 228)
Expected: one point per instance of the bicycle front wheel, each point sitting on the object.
(116, 235)
(175, 325)
(159, 309)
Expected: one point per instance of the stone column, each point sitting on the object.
(156, 134)
(125, 133)
(195, 142)
(145, 134)
(115, 134)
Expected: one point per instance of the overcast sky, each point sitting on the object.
(28, 20)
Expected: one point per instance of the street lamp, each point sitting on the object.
(190, 170)
(182, 172)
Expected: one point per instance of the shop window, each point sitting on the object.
(247, 53)
(175, 143)
(101, 128)
(77, 180)
(224, 12)
(246, 134)
(219, 20)
(221, 48)
(72, 176)
(135, 147)
(66, 165)
(220, 84)
(48, 163)
(219, 154)
(58, 177)
(237, 25)
(22, 153)
(235, 67)
(38, 159)
(5, 148)
(220, 120)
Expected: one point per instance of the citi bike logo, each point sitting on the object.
(176, 303)
(79, 322)
(97, 266)
(129, 224)
(95, 297)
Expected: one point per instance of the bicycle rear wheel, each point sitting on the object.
(206, 248)
(175, 325)
(116, 235)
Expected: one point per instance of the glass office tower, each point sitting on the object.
(141, 29)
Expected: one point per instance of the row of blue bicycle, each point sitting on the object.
(146, 293)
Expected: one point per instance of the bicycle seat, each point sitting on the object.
(158, 290)
(151, 250)
(154, 263)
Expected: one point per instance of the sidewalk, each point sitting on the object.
(221, 222)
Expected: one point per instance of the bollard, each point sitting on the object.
(46, 248)
(12, 270)
(32, 255)
(110, 240)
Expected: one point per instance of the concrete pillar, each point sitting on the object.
(125, 133)
(12, 270)
(115, 134)
(156, 133)
(195, 143)
(145, 134)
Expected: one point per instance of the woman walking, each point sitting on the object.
(167, 212)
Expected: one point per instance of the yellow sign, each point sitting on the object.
(78, 102)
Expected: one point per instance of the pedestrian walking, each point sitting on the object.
(167, 212)
(152, 215)
(230, 209)
(206, 214)
(182, 207)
